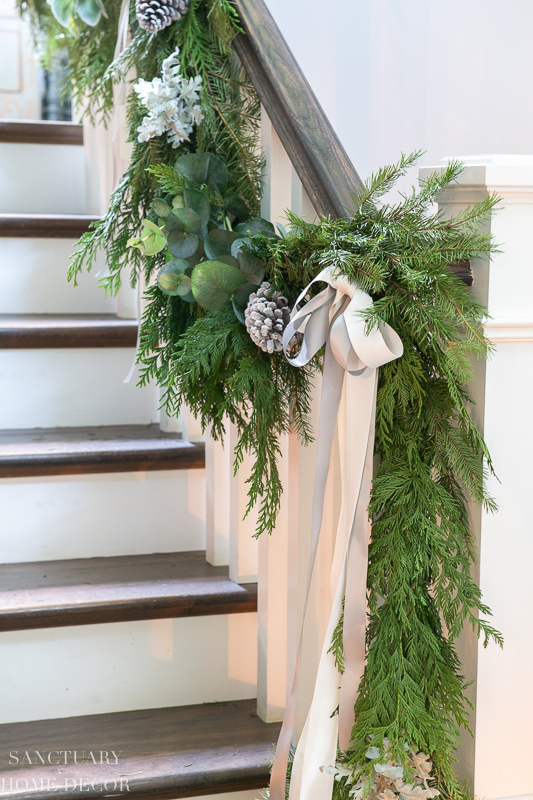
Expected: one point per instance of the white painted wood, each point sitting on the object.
(71, 387)
(92, 669)
(29, 170)
(503, 390)
(218, 492)
(33, 280)
(243, 545)
(20, 96)
(84, 516)
(283, 557)
(191, 427)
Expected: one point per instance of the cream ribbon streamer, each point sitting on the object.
(352, 358)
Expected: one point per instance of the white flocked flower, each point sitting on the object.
(172, 102)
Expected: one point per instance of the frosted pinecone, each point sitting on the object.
(154, 15)
(266, 317)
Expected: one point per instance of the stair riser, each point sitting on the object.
(82, 516)
(33, 278)
(70, 387)
(126, 666)
(29, 171)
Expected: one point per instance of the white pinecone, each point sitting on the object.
(154, 15)
(266, 317)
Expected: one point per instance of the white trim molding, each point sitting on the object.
(502, 331)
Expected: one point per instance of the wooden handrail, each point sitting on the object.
(322, 164)
(312, 145)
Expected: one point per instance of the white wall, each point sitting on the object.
(402, 75)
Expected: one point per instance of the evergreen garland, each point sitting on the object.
(230, 130)
(432, 458)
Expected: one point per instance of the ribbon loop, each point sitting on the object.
(334, 318)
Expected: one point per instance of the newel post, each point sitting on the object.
(503, 392)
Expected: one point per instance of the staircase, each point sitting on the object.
(116, 636)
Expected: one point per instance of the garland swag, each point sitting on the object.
(432, 458)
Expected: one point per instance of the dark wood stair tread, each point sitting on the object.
(163, 753)
(45, 226)
(24, 131)
(66, 330)
(110, 448)
(47, 594)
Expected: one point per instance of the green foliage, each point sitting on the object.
(196, 228)
(432, 458)
(229, 133)
(217, 370)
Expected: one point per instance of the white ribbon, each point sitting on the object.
(352, 358)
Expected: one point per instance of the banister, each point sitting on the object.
(312, 145)
(320, 160)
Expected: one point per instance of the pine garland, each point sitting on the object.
(432, 458)
(230, 130)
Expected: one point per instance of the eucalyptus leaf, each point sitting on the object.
(181, 244)
(151, 226)
(252, 267)
(178, 201)
(62, 11)
(152, 239)
(217, 172)
(199, 202)
(213, 284)
(193, 260)
(283, 231)
(184, 287)
(194, 166)
(240, 299)
(153, 243)
(169, 277)
(173, 222)
(89, 11)
(237, 208)
(190, 219)
(253, 226)
(218, 242)
(161, 208)
(238, 244)
(177, 265)
(229, 260)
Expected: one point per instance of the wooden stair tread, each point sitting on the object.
(45, 226)
(85, 591)
(66, 330)
(110, 448)
(24, 131)
(163, 753)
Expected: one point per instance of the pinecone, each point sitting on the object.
(266, 317)
(154, 15)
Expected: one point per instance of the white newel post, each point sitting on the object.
(498, 761)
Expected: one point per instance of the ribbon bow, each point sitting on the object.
(352, 358)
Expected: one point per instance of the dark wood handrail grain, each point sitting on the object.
(22, 131)
(314, 148)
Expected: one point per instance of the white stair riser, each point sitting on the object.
(42, 179)
(33, 280)
(84, 516)
(72, 387)
(96, 669)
